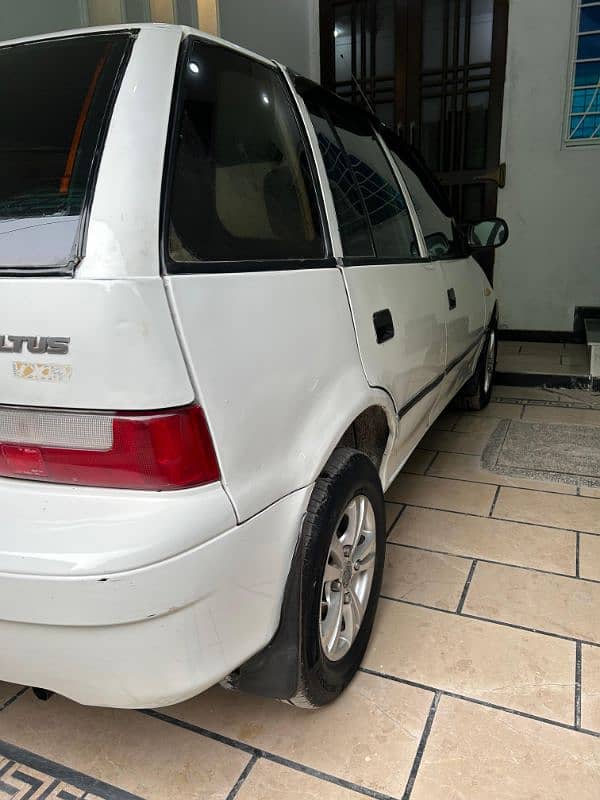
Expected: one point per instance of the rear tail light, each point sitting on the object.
(158, 450)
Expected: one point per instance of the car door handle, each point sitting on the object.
(451, 299)
(384, 325)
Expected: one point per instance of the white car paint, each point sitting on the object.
(123, 353)
(267, 386)
(131, 598)
(155, 635)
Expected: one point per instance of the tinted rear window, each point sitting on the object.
(55, 96)
(242, 188)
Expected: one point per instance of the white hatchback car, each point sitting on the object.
(231, 305)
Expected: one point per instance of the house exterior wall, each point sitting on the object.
(287, 30)
(31, 17)
(552, 199)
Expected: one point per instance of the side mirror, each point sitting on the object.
(487, 233)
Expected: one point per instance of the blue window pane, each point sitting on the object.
(585, 127)
(585, 100)
(587, 74)
(589, 46)
(590, 19)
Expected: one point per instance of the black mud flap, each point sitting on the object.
(274, 671)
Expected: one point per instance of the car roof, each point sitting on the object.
(184, 30)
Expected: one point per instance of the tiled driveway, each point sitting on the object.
(543, 357)
(482, 679)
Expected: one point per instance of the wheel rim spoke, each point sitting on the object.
(361, 508)
(365, 551)
(332, 624)
(347, 577)
(332, 572)
(357, 611)
(336, 550)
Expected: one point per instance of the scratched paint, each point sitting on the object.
(46, 373)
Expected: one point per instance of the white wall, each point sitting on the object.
(552, 197)
(286, 30)
(31, 17)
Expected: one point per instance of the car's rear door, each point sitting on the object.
(397, 295)
(464, 281)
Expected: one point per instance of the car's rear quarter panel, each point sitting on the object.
(274, 359)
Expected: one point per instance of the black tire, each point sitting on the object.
(477, 392)
(347, 474)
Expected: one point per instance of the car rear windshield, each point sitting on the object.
(55, 97)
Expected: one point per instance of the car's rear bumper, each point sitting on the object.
(157, 634)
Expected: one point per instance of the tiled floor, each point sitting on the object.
(482, 679)
(546, 358)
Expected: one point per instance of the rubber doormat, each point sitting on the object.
(560, 453)
(26, 776)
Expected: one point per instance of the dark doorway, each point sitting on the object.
(433, 70)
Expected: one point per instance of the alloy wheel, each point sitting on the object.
(347, 578)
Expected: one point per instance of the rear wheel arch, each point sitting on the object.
(370, 433)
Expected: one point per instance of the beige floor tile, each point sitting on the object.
(540, 365)
(452, 442)
(421, 577)
(501, 411)
(578, 396)
(577, 365)
(581, 356)
(590, 688)
(566, 416)
(468, 468)
(270, 781)
(392, 510)
(418, 462)
(369, 736)
(554, 510)
(473, 423)
(477, 753)
(589, 556)
(589, 491)
(446, 421)
(521, 362)
(521, 392)
(575, 347)
(508, 667)
(7, 690)
(421, 490)
(493, 539)
(142, 755)
(566, 606)
(582, 396)
(546, 349)
(507, 347)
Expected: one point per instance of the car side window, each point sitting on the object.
(393, 232)
(368, 199)
(350, 210)
(241, 186)
(442, 236)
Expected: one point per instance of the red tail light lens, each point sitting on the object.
(158, 450)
